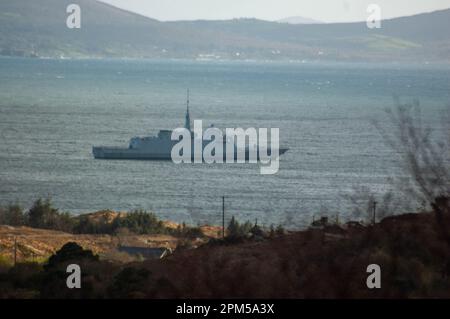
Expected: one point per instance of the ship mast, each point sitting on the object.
(187, 123)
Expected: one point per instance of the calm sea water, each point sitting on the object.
(53, 111)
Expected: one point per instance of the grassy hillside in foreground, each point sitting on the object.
(37, 233)
(318, 263)
(39, 244)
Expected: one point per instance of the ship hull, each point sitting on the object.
(106, 153)
(127, 154)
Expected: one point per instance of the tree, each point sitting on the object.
(238, 231)
(425, 158)
(42, 214)
(12, 215)
(53, 278)
(140, 222)
(233, 228)
(70, 252)
(257, 231)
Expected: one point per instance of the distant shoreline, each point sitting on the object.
(238, 61)
(356, 64)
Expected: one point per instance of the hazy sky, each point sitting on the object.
(323, 10)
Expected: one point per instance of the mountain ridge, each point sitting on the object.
(38, 29)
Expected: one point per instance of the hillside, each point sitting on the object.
(329, 262)
(39, 244)
(31, 28)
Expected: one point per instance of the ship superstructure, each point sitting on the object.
(154, 147)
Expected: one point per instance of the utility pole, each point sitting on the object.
(15, 250)
(223, 217)
(374, 212)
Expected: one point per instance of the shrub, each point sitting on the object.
(70, 252)
(5, 262)
(280, 230)
(12, 215)
(85, 225)
(238, 231)
(184, 231)
(129, 282)
(140, 222)
(43, 215)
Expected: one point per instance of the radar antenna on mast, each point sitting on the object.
(187, 123)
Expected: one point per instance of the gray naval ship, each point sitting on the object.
(160, 147)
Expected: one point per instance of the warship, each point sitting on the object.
(160, 147)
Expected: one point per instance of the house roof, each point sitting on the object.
(146, 252)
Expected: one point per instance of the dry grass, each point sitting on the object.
(39, 244)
